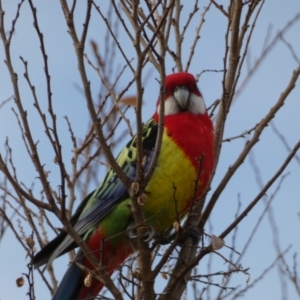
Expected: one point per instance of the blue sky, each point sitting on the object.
(252, 104)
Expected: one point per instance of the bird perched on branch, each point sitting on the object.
(181, 175)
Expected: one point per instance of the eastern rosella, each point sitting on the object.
(188, 138)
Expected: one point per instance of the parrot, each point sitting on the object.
(183, 172)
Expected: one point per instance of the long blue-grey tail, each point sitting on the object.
(71, 283)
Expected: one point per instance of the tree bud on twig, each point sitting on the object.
(135, 186)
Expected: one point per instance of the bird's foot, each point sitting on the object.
(147, 232)
(192, 232)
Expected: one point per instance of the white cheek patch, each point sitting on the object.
(171, 106)
(196, 105)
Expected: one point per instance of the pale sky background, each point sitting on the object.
(253, 103)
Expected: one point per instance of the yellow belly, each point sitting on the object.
(170, 188)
